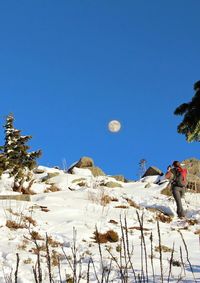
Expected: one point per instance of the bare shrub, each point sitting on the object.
(132, 203)
(99, 198)
(105, 199)
(14, 225)
(109, 236)
(163, 218)
(53, 243)
(36, 236)
(53, 188)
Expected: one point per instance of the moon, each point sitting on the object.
(114, 126)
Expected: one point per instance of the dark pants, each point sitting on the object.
(178, 193)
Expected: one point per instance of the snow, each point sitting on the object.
(71, 215)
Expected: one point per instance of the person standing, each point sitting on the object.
(177, 176)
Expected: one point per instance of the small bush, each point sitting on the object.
(163, 218)
(105, 199)
(14, 225)
(109, 236)
(36, 236)
(53, 188)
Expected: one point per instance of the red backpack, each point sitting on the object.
(180, 179)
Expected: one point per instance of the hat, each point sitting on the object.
(176, 163)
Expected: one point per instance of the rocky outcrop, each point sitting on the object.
(152, 171)
(120, 178)
(193, 177)
(87, 163)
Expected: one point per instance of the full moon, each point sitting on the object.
(114, 126)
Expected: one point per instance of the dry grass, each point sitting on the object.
(53, 188)
(122, 206)
(13, 212)
(23, 245)
(101, 198)
(163, 218)
(55, 256)
(164, 249)
(53, 243)
(105, 199)
(40, 248)
(197, 232)
(36, 236)
(15, 225)
(132, 203)
(28, 261)
(192, 221)
(30, 220)
(109, 236)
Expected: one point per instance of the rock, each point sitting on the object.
(16, 197)
(86, 163)
(192, 165)
(38, 170)
(96, 171)
(151, 171)
(53, 174)
(148, 185)
(193, 177)
(120, 178)
(111, 184)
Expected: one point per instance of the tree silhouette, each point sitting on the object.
(190, 125)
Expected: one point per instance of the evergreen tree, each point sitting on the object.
(190, 125)
(15, 155)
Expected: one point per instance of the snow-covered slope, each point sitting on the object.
(82, 204)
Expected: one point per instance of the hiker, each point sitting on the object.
(177, 177)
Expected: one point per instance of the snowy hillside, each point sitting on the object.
(53, 237)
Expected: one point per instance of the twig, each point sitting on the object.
(141, 221)
(152, 256)
(17, 267)
(187, 255)
(48, 259)
(160, 251)
(170, 263)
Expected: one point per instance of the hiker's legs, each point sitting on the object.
(182, 192)
(177, 196)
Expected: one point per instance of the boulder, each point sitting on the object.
(152, 171)
(86, 163)
(120, 178)
(192, 165)
(193, 177)
(96, 171)
(111, 184)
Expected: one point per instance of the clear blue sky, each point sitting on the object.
(68, 67)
